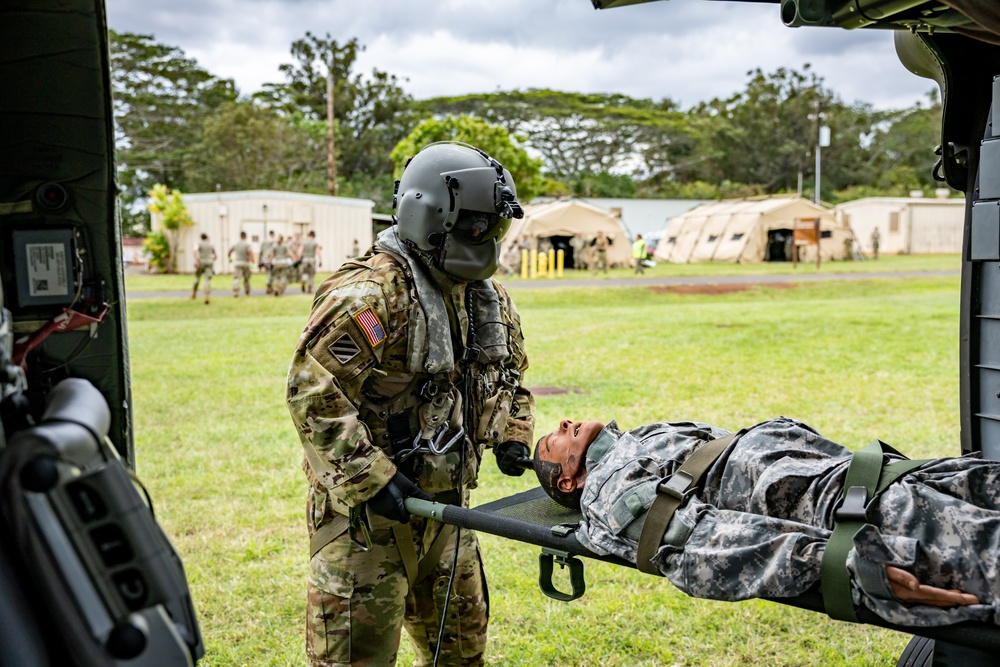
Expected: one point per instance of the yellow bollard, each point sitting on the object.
(542, 265)
(552, 263)
(524, 264)
(534, 263)
(560, 262)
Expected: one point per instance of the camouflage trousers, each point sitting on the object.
(601, 261)
(358, 601)
(241, 274)
(308, 274)
(207, 272)
(281, 271)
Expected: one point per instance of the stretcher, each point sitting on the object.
(532, 517)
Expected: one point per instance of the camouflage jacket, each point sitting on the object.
(348, 378)
(759, 525)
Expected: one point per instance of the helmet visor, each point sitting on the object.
(477, 227)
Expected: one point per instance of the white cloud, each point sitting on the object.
(687, 50)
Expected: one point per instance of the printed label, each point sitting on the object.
(48, 270)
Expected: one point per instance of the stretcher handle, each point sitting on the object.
(428, 509)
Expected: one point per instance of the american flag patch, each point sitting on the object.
(368, 321)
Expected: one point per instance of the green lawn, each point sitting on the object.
(151, 282)
(859, 360)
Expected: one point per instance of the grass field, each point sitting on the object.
(222, 284)
(857, 360)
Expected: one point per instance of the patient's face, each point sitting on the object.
(567, 445)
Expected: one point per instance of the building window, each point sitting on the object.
(894, 221)
(825, 234)
(672, 239)
(712, 237)
(254, 238)
(736, 237)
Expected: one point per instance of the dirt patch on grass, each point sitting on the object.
(715, 289)
(553, 391)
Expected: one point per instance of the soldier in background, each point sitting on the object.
(241, 255)
(309, 259)
(600, 245)
(281, 259)
(875, 239)
(265, 260)
(409, 367)
(639, 253)
(204, 265)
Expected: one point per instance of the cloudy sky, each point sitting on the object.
(687, 50)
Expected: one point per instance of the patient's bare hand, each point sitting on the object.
(906, 588)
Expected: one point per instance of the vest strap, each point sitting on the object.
(672, 492)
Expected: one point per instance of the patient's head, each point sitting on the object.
(560, 460)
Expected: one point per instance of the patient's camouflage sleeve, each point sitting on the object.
(760, 525)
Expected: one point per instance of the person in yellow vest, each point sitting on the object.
(639, 253)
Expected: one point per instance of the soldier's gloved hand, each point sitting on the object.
(512, 457)
(389, 501)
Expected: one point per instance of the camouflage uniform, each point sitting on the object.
(759, 525)
(241, 266)
(281, 265)
(600, 245)
(367, 368)
(204, 267)
(308, 266)
(264, 262)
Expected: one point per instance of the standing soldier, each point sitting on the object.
(204, 265)
(409, 367)
(265, 260)
(639, 253)
(600, 245)
(875, 239)
(280, 259)
(241, 255)
(309, 259)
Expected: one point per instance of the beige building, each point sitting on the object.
(337, 221)
(756, 229)
(907, 225)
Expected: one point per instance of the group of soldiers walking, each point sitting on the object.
(291, 260)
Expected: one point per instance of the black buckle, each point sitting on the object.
(852, 508)
(680, 485)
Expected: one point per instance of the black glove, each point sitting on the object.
(389, 501)
(512, 457)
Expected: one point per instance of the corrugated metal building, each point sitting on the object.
(907, 225)
(337, 221)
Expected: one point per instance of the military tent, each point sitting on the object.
(757, 229)
(558, 222)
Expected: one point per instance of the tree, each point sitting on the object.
(160, 99)
(173, 214)
(493, 139)
(373, 113)
(580, 134)
(246, 147)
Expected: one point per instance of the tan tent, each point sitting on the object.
(559, 222)
(748, 231)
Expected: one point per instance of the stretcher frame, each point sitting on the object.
(534, 518)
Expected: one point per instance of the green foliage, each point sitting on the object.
(603, 184)
(158, 247)
(493, 139)
(247, 147)
(172, 214)
(373, 112)
(160, 99)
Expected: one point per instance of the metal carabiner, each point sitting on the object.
(435, 444)
(357, 519)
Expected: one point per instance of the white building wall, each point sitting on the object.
(906, 226)
(936, 229)
(337, 221)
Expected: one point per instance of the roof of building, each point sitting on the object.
(277, 194)
(644, 216)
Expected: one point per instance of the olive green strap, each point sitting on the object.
(866, 478)
(430, 558)
(404, 542)
(671, 493)
(327, 533)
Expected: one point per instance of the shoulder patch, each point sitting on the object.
(369, 323)
(344, 349)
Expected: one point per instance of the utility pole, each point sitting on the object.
(822, 141)
(331, 155)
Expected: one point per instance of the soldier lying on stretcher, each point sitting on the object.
(759, 522)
